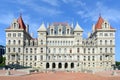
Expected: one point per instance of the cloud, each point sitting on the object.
(42, 9)
(6, 18)
(92, 14)
(74, 2)
(52, 2)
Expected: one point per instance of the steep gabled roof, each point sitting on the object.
(99, 23)
(21, 23)
(78, 28)
(42, 27)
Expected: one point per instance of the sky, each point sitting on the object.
(85, 12)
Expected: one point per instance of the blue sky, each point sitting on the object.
(85, 12)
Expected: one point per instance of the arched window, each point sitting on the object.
(59, 31)
(100, 42)
(105, 25)
(93, 50)
(41, 50)
(70, 50)
(51, 31)
(30, 50)
(13, 49)
(35, 57)
(72, 65)
(14, 42)
(19, 50)
(111, 42)
(59, 50)
(8, 49)
(54, 50)
(88, 58)
(65, 50)
(100, 50)
(26, 50)
(106, 50)
(78, 50)
(111, 50)
(47, 65)
(9, 42)
(15, 25)
(41, 42)
(67, 31)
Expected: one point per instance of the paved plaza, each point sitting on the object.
(24, 75)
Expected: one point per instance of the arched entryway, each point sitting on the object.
(47, 65)
(59, 65)
(53, 65)
(66, 65)
(72, 65)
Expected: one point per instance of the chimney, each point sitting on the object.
(32, 34)
(27, 28)
(88, 34)
(93, 28)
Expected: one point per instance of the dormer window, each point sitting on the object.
(59, 31)
(105, 25)
(15, 25)
(67, 31)
(51, 31)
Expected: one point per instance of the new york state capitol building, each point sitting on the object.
(61, 47)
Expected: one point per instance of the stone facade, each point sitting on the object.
(61, 47)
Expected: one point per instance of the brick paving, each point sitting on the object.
(60, 76)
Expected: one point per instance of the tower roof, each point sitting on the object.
(99, 23)
(78, 28)
(21, 23)
(42, 27)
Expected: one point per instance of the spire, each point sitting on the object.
(99, 23)
(42, 27)
(21, 23)
(47, 25)
(78, 28)
(72, 25)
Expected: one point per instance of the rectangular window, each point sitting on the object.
(26, 50)
(19, 34)
(70, 50)
(19, 50)
(9, 34)
(77, 50)
(41, 50)
(30, 50)
(14, 34)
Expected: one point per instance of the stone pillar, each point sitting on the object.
(8, 72)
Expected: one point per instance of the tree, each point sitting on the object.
(117, 63)
(1, 59)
